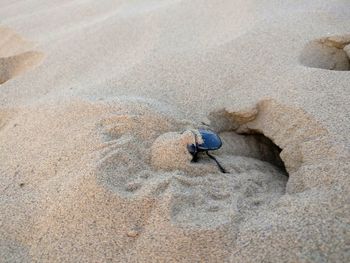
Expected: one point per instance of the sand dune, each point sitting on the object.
(98, 101)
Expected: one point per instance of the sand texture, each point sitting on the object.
(99, 100)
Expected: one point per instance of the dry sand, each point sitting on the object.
(97, 103)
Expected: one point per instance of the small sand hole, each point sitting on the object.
(16, 55)
(255, 145)
(332, 53)
(269, 151)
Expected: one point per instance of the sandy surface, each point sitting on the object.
(99, 99)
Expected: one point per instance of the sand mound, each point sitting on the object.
(327, 53)
(15, 55)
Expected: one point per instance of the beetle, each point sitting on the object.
(211, 142)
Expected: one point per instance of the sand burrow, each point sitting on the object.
(252, 145)
(332, 53)
(139, 164)
(310, 156)
(16, 55)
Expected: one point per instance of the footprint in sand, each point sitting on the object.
(16, 55)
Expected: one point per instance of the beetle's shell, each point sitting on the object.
(211, 141)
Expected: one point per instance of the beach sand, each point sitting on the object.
(99, 100)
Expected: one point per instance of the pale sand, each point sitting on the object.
(96, 98)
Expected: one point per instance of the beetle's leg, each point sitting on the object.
(222, 169)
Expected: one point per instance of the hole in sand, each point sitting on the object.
(307, 148)
(16, 56)
(255, 145)
(269, 149)
(332, 53)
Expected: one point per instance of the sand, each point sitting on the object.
(99, 99)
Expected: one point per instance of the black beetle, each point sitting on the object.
(211, 142)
